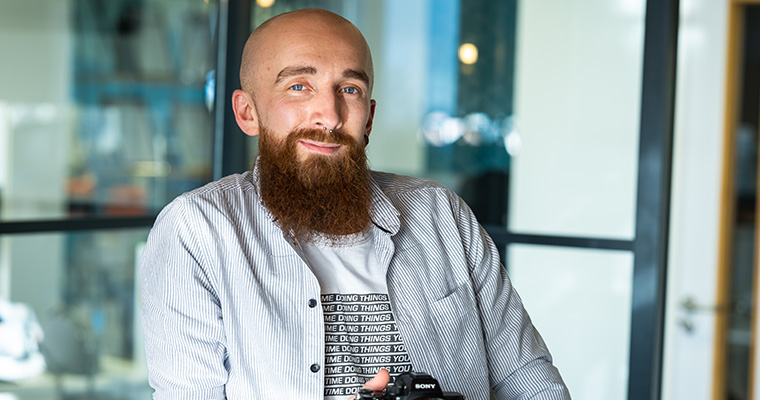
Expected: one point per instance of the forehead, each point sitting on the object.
(325, 47)
(314, 43)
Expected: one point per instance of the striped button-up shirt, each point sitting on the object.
(230, 312)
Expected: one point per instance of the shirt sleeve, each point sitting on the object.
(182, 319)
(520, 365)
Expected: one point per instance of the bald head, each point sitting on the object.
(314, 28)
(307, 69)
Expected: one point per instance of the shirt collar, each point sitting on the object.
(384, 214)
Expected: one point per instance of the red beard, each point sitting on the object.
(321, 195)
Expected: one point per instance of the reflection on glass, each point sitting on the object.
(468, 53)
(113, 120)
(83, 293)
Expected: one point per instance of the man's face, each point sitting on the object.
(307, 80)
(313, 75)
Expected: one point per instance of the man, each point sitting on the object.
(311, 274)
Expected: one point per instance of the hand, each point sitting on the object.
(379, 382)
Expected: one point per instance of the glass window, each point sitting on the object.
(68, 316)
(105, 111)
(577, 109)
(583, 312)
(104, 106)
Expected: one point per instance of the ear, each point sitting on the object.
(245, 113)
(368, 127)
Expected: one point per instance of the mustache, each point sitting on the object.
(335, 137)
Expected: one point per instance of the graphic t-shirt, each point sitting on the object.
(360, 331)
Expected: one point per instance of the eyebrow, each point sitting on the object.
(360, 75)
(288, 72)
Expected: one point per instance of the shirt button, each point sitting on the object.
(314, 367)
(312, 304)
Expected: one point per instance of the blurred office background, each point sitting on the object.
(608, 146)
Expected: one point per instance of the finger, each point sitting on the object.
(379, 382)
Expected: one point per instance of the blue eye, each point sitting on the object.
(350, 90)
(298, 87)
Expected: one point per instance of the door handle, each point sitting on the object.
(691, 307)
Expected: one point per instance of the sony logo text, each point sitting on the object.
(424, 386)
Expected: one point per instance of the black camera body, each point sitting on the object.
(411, 386)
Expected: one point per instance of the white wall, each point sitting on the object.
(577, 107)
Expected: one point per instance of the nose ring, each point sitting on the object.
(325, 128)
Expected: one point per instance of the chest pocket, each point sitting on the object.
(456, 314)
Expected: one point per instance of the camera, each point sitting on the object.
(411, 386)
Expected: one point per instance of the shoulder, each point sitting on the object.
(231, 185)
(226, 196)
(417, 195)
(232, 190)
(394, 185)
